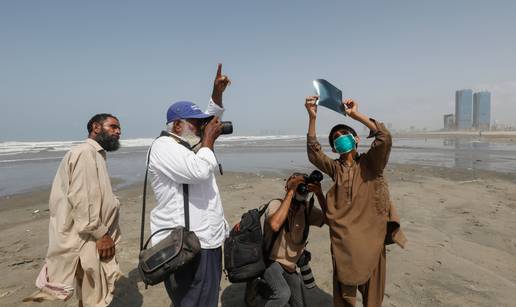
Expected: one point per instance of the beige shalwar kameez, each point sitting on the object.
(83, 208)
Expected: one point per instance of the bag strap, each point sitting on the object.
(142, 226)
(306, 230)
(186, 207)
(308, 211)
(275, 234)
(155, 233)
(144, 198)
(261, 210)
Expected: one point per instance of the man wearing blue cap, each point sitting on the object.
(186, 158)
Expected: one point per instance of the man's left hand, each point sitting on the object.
(219, 85)
(351, 107)
(106, 247)
(315, 188)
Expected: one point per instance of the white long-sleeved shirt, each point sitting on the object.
(170, 166)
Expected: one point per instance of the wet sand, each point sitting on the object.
(460, 226)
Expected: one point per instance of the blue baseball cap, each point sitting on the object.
(184, 110)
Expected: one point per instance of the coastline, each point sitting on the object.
(459, 223)
(496, 136)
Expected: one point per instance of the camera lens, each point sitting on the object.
(308, 277)
(306, 272)
(302, 188)
(227, 127)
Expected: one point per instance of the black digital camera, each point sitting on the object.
(315, 176)
(227, 127)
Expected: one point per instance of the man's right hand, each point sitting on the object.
(293, 182)
(211, 132)
(311, 106)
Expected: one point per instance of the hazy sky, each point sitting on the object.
(63, 61)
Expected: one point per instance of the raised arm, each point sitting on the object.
(352, 111)
(378, 155)
(219, 86)
(278, 217)
(314, 150)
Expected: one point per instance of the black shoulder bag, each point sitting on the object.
(158, 262)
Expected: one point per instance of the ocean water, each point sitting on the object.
(25, 166)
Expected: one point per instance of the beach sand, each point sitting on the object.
(461, 227)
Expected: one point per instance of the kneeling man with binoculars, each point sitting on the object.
(286, 228)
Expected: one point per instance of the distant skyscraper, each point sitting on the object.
(464, 109)
(482, 110)
(449, 123)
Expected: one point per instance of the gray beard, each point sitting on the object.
(193, 140)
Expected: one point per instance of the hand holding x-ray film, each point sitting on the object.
(329, 96)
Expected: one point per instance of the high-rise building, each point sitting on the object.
(482, 110)
(464, 109)
(449, 123)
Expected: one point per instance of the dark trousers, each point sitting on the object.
(286, 287)
(197, 284)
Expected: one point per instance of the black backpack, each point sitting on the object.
(246, 251)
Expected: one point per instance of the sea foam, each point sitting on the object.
(13, 148)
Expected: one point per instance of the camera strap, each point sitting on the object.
(308, 211)
(306, 229)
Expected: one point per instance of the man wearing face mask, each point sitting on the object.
(287, 221)
(185, 157)
(359, 212)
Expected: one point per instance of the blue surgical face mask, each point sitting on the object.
(344, 143)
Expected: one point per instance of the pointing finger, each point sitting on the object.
(219, 70)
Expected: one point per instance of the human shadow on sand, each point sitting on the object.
(127, 292)
(233, 296)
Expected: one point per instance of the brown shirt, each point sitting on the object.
(290, 245)
(358, 208)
